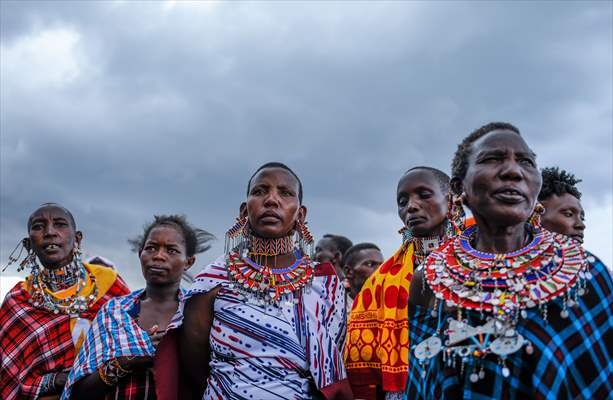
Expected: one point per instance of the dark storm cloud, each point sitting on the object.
(170, 108)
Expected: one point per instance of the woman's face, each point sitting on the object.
(272, 206)
(422, 205)
(564, 214)
(52, 236)
(163, 257)
(502, 180)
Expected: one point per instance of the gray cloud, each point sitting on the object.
(125, 109)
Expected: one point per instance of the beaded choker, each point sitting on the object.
(53, 291)
(424, 246)
(270, 247)
(501, 286)
(269, 285)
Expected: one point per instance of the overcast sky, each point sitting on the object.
(122, 110)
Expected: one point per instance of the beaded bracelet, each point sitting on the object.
(48, 383)
(104, 377)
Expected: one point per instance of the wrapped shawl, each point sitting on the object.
(319, 322)
(35, 342)
(376, 350)
(115, 333)
(572, 357)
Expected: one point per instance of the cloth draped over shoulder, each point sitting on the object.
(265, 351)
(571, 357)
(35, 342)
(116, 333)
(376, 349)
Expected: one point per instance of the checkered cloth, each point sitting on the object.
(572, 357)
(35, 342)
(115, 333)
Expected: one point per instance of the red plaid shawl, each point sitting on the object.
(35, 342)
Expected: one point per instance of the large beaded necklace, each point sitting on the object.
(72, 278)
(265, 284)
(502, 286)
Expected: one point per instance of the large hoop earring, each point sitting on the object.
(455, 213)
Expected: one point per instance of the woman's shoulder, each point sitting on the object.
(210, 276)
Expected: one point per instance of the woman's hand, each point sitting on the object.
(155, 335)
(59, 381)
(135, 363)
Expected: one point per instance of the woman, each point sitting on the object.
(264, 321)
(562, 201)
(379, 368)
(44, 319)
(117, 359)
(510, 310)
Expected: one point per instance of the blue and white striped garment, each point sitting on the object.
(267, 352)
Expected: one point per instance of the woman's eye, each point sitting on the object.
(425, 195)
(527, 161)
(402, 202)
(568, 214)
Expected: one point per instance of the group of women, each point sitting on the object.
(495, 306)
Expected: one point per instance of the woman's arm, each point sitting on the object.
(194, 346)
(94, 387)
(420, 293)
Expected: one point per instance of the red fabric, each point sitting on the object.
(35, 342)
(339, 390)
(324, 269)
(166, 368)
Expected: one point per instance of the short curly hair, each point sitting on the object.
(459, 165)
(196, 240)
(558, 182)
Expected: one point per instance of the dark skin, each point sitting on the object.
(272, 209)
(422, 204)
(564, 214)
(364, 264)
(53, 238)
(327, 252)
(163, 260)
(500, 188)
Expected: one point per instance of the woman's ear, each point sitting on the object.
(242, 210)
(302, 213)
(190, 262)
(27, 244)
(78, 237)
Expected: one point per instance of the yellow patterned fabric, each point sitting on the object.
(376, 350)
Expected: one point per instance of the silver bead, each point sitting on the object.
(506, 372)
(564, 313)
(474, 377)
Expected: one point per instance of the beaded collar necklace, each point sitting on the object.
(60, 278)
(501, 286)
(269, 285)
(54, 294)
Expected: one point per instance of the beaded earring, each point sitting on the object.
(535, 218)
(455, 213)
(14, 258)
(237, 234)
(305, 239)
(407, 234)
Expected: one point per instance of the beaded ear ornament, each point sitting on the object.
(501, 287)
(266, 284)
